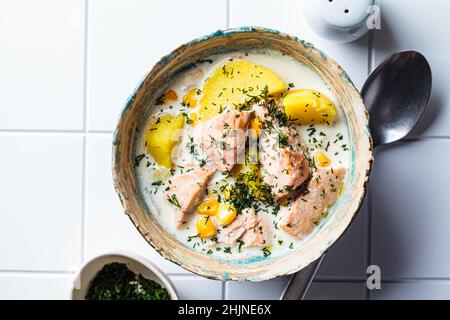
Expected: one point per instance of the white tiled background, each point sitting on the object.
(66, 68)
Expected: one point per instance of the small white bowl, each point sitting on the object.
(134, 262)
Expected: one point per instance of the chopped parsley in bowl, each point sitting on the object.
(122, 276)
(116, 282)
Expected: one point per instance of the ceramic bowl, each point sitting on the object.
(134, 262)
(137, 110)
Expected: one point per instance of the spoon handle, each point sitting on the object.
(300, 282)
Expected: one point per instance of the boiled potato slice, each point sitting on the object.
(161, 137)
(235, 83)
(306, 106)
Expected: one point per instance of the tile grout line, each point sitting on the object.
(369, 235)
(50, 131)
(85, 58)
(339, 279)
(36, 272)
(85, 131)
(110, 132)
(224, 290)
(69, 132)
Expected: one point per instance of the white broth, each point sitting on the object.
(153, 179)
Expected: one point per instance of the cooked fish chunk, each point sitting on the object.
(284, 165)
(258, 236)
(243, 222)
(308, 209)
(250, 228)
(222, 139)
(185, 191)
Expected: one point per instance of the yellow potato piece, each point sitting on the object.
(235, 83)
(306, 106)
(161, 137)
(205, 227)
(226, 214)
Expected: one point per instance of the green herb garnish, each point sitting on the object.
(116, 282)
(138, 159)
(266, 251)
(173, 200)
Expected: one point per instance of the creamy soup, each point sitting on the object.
(259, 216)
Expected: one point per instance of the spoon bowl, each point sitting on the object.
(396, 95)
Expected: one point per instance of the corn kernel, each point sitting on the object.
(190, 98)
(170, 96)
(226, 214)
(322, 159)
(208, 207)
(205, 227)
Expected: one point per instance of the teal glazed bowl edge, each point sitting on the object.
(137, 108)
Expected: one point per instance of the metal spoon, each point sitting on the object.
(396, 95)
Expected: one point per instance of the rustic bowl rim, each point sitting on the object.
(227, 32)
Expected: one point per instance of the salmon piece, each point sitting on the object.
(185, 191)
(222, 139)
(258, 236)
(308, 209)
(234, 231)
(261, 113)
(284, 166)
(248, 227)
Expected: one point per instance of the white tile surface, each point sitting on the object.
(336, 291)
(420, 25)
(42, 64)
(42, 67)
(413, 290)
(287, 16)
(195, 288)
(21, 286)
(126, 38)
(107, 227)
(264, 290)
(347, 259)
(41, 202)
(410, 212)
